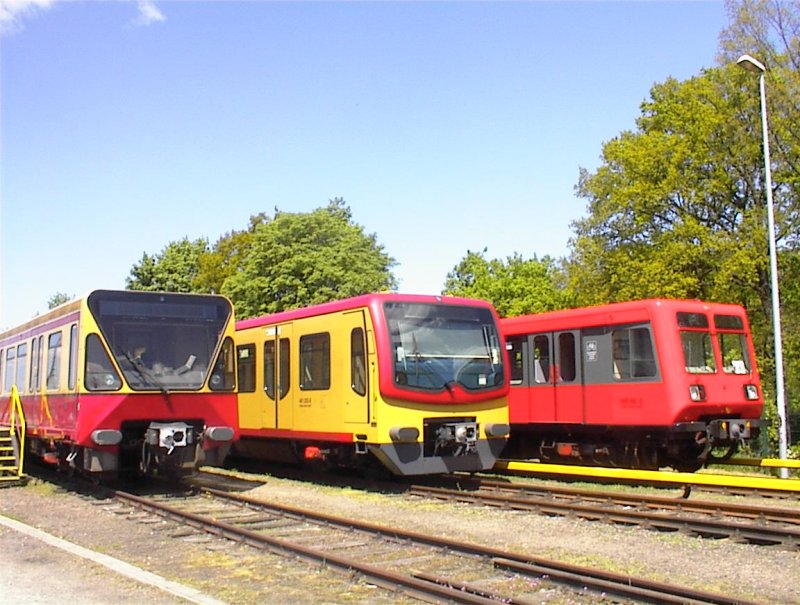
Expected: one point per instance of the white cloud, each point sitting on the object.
(148, 12)
(11, 11)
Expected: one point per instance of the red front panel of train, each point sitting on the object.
(76, 419)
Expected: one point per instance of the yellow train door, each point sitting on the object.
(277, 401)
(356, 400)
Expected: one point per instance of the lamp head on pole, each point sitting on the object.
(750, 64)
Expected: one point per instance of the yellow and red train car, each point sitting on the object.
(124, 382)
(640, 384)
(414, 384)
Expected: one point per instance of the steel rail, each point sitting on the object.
(734, 509)
(420, 588)
(622, 582)
(758, 534)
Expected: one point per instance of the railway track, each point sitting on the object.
(744, 522)
(424, 566)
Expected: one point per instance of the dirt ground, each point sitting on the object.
(233, 574)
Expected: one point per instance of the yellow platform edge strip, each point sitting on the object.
(787, 485)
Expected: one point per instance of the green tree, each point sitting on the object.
(59, 298)
(226, 258)
(677, 207)
(515, 286)
(673, 209)
(768, 30)
(299, 259)
(174, 269)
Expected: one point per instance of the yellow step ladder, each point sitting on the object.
(12, 443)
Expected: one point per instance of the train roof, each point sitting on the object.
(614, 313)
(74, 306)
(51, 315)
(365, 300)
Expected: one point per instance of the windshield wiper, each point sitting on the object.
(146, 374)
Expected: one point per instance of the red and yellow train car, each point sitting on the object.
(123, 382)
(639, 384)
(414, 384)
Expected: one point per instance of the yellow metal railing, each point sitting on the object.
(17, 427)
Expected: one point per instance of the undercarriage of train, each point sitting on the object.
(165, 449)
(685, 448)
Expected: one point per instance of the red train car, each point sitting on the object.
(123, 382)
(639, 384)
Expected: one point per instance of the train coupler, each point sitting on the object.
(169, 435)
(458, 438)
(732, 430)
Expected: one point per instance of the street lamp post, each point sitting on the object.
(751, 64)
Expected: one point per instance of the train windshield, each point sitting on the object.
(732, 344)
(164, 341)
(437, 346)
(698, 353)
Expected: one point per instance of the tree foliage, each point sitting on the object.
(227, 256)
(277, 263)
(677, 207)
(299, 259)
(174, 269)
(59, 298)
(515, 286)
(674, 209)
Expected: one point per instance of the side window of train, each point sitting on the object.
(11, 356)
(22, 360)
(54, 360)
(698, 352)
(269, 368)
(732, 345)
(2, 366)
(541, 359)
(246, 355)
(633, 354)
(515, 358)
(566, 357)
(73, 356)
(358, 362)
(315, 362)
(35, 375)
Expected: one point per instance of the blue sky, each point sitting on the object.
(445, 126)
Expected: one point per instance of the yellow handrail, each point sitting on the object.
(17, 416)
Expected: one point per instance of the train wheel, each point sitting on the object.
(689, 459)
(711, 458)
(687, 466)
(648, 458)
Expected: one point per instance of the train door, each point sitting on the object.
(356, 400)
(567, 380)
(540, 378)
(555, 377)
(277, 411)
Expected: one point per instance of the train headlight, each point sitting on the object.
(750, 392)
(697, 392)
